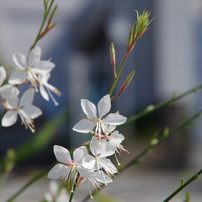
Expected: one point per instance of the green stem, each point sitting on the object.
(152, 108)
(118, 74)
(46, 13)
(150, 147)
(74, 188)
(194, 177)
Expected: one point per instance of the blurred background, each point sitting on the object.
(167, 60)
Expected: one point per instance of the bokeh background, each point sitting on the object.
(166, 60)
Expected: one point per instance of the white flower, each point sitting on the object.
(100, 150)
(29, 67)
(66, 170)
(55, 194)
(95, 178)
(23, 107)
(6, 90)
(96, 118)
(45, 88)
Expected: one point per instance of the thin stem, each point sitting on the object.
(74, 188)
(152, 108)
(189, 181)
(118, 74)
(42, 25)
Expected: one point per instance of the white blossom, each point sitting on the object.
(29, 67)
(66, 170)
(98, 118)
(24, 107)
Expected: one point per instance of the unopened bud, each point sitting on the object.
(125, 84)
(112, 54)
(52, 14)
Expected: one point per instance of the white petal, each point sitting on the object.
(89, 108)
(34, 56)
(8, 90)
(107, 149)
(32, 111)
(102, 177)
(108, 166)
(44, 77)
(114, 119)
(84, 126)
(104, 105)
(62, 154)
(88, 162)
(116, 137)
(2, 75)
(17, 77)
(43, 92)
(20, 60)
(12, 102)
(95, 146)
(27, 97)
(9, 118)
(79, 154)
(57, 171)
(43, 67)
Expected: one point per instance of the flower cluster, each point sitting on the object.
(34, 71)
(93, 166)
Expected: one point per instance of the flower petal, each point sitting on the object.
(108, 166)
(116, 138)
(2, 75)
(114, 119)
(32, 111)
(79, 154)
(102, 177)
(9, 118)
(62, 154)
(84, 126)
(104, 105)
(89, 108)
(12, 102)
(8, 90)
(17, 77)
(58, 171)
(95, 146)
(27, 97)
(20, 60)
(34, 56)
(43, 67)
(88, 162)
(43, 92)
